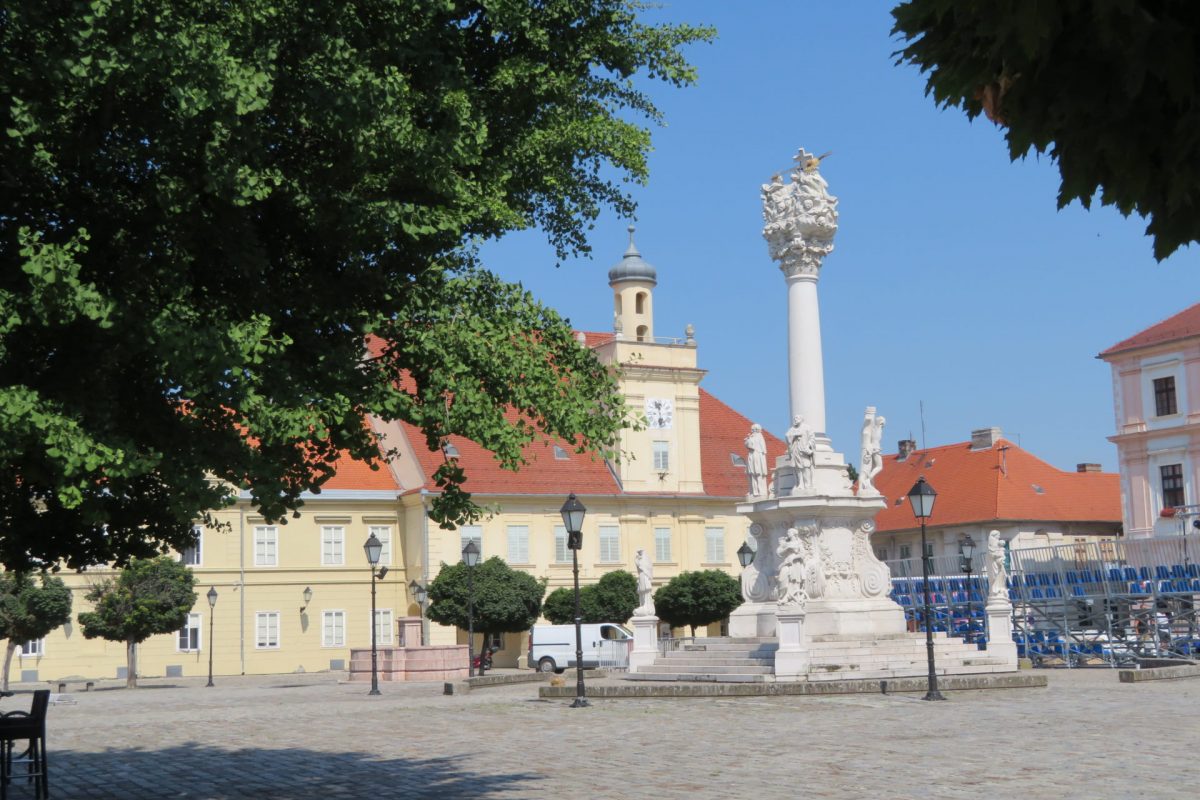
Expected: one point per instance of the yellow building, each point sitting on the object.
(296, 597)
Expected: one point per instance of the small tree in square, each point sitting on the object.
(697, 598)
(612, 599)
(30, 609)
(506, 600)
(147, 597)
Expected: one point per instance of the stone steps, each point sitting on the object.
(714, 660)
(711, 669)
(699, 677)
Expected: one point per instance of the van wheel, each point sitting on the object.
(546, 665)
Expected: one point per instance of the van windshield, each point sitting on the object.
(615, 632)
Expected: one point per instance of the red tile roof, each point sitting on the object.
(723, 433)
(353, 474)
(1184, 324)
(973, 487)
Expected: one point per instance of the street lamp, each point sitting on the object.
(470, 554)
(966, 548)
(212, 610)
(374, 549)
(921, 496)
(745, 555)
(572, 515)
(419, 594)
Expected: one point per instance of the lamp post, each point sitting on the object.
(374, 549)
(572, 515)
(966, 548)
(419, 594)
(745, 555)
(921, 496)
(212, 610)
(470, 554)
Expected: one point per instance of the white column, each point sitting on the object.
(806, 371)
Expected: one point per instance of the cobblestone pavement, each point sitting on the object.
(1086, 735)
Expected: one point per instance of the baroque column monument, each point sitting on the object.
(815, 583)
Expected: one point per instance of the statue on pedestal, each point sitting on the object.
(645, 585)
(802, 447)
(871, 462)
(792, 571)
(756, 461)
(997, 575)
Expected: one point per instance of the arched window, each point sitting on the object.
(642, 330)
(639, 305)
(618, 304)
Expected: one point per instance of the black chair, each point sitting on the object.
(30, 727)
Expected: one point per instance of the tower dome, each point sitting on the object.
(631, 267)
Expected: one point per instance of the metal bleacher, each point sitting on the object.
(1108, 602)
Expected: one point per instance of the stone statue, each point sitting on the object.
(618, 328)
(799, 218)
(645, 585)
(815, 577)
(802, 446)
(756, 461)
(792, 570)
(997, 575)
(871, 462)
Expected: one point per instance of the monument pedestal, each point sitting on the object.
(792, 657)
(999, 627)
(753, 621)
(645, 642)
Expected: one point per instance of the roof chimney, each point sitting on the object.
(983, 438)
(1087, 467)
(906, 448)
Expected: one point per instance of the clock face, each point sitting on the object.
(659, 412)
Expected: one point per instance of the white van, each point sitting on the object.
(605, 644)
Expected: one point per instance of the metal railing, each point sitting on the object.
(614, 653)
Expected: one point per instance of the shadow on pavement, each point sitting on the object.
(210, 773)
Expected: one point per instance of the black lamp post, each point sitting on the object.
(922, 496)
(419, 594)
(745, 555)
(374, 549)
(966, 548)
(572, 514)
(470, 555)
(212, 610)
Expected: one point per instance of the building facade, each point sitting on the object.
(1156, 404)
(986, 484)
(296, 597)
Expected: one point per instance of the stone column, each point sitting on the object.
(792, 658)
(645, 642)
(806, 370)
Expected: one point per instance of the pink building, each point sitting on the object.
(1156, 397)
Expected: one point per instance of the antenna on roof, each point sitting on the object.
(922, 402)
(1003, 460)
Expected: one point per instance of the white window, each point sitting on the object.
(881, 553)
(518, 544)
(266, 546)
(662, 545)
(610, 543)
(662, 457)
(714, 545)
(383, 626)
(384, 534)
(33, 648)
(561, 552)
(266, 630)
(333, 628)
(333, 545)
(189, 635)
(470, 533)
(191, 555)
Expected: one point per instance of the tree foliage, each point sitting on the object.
(205, 212)
(697, 598)
(148, 597)
(1110, 90)
(30, 609)
(612, 599)
(506, 600)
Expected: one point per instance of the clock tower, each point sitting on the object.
(661, 384)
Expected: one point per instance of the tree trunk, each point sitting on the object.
(130, 664)
(693, 627)
(12, 648)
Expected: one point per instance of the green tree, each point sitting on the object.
(1109, 89)
(148, 596)
(697, 598)
(506, 600)
(30, 609)
(612, 599)
(205, 214)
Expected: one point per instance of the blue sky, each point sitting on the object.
(954, 280)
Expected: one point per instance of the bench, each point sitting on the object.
(62, 684)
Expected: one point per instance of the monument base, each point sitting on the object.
(753, 620)
(859, 616)
(645, 642)
(792, 658)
